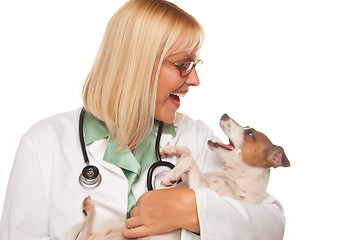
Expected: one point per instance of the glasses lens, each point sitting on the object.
(188, 67)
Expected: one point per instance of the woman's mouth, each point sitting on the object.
(176, 96)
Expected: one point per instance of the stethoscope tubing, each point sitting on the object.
(159, 161)
(81, 136)
(90, 177)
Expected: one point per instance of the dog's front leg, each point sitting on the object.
(186, 166)
(83, 231)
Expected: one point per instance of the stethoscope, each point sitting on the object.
(90, 178)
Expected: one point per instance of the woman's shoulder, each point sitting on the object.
(61, 122)
(183, 119)
(183, 123)
(195, 135)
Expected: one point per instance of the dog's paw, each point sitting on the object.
(171, 178)
(88, 207)
(179, 151)
(168, 182)
(174, 176)
(170, 151)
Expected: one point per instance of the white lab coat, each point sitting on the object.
(43, 198)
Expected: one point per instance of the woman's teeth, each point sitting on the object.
(179, 94)
(176, 96)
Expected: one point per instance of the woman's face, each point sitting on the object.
(172, 86)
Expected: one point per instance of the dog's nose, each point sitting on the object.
(225, 117)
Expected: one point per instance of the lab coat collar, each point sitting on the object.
(94, 129)
(97, 150)
(97, 141)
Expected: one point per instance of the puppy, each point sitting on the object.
(248, 158)
(247, 161)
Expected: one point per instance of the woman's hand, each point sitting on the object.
(162, 211)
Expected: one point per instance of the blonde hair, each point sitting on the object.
(120, 89)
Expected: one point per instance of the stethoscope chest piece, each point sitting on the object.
(90, 177)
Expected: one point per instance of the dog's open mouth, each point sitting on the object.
(228, 147)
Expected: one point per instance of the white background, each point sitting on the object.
(291, 69)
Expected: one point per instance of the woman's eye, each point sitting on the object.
(178, 66)
(187, 66)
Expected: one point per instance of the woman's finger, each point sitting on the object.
(134, 212)
(141, 231)
(133, 222)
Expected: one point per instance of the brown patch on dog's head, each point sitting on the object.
(258, 151)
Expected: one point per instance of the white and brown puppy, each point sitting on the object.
(247, 161)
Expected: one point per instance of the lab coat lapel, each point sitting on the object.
(96, 150)
(167, 136)
(165, 139)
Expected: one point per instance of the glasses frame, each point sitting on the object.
(184, 72)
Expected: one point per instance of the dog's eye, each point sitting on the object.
(249, 132)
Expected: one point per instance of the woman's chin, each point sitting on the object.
(166, 118)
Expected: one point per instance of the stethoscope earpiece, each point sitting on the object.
(90, 177)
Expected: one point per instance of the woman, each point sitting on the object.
(145, 63)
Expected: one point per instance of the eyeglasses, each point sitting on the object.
(186, 68)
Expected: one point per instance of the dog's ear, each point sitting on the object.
(276, 157)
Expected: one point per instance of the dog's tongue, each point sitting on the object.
(228, 147)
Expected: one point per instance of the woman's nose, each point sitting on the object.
(192, 79)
